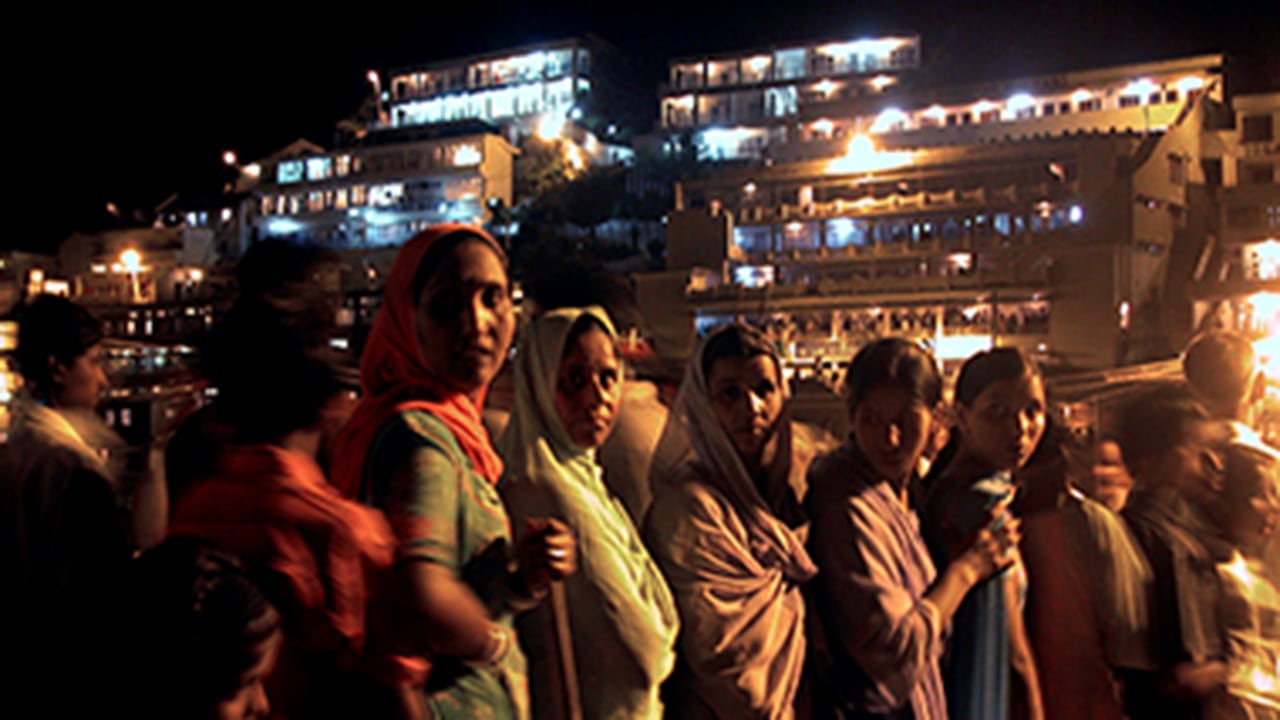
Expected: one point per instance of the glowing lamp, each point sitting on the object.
(935, 112)
(1081, 95)
(823, 126)
(1141, 88)
(983, 106)
(826, 87)
(1190, 83)
(131, 260)
(888, 119)
(1021, 101)
(550, 128)
(229, 158)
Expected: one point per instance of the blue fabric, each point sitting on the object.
(976, 672)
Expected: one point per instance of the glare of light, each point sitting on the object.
(229, 158)
(1189, 83)
(1075, 214)
(823, 126)
(758, 63)
(550, 127)
(684, 102)
(226, 215)
(1140, 88)
(1081, 95)
(372, 77)
(723, 141)
(1267, 255)
(575, 113)
(935, 112)
(959, 347)
(794, 227)
(879, 46)
(826, 87)
(98, 268)
(253, 170)
(1124, 310)
(861, 155)
(983, 106)
(574, 156)
(196, 274)
(749, 188)
(888, 119)
(962, 260)
(1021, 101)
(283, 226)
(880, 82)
(467, 154)
(131, 260)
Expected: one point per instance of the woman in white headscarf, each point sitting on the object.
(727, 528)
(618, 645)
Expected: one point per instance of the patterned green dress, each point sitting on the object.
(449, 514)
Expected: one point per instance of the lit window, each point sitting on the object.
(342, 165)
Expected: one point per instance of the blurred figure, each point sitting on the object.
(325, 561)
(1246, 515)
(1000, 417)
(1174, 450)
(1221, 370)
(276, 274)
(1109, 481)
(728, 529)
(199, 639)
(417, 448)
(62, 527)
(619, 612)
(885, 609)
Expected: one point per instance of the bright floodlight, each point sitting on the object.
(131, 260)
(550, 127)
(229, 158)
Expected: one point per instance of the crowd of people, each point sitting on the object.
(396, 546)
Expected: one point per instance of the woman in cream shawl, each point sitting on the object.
(727, 528)
(622, 621)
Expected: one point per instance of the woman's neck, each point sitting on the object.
(966, 457)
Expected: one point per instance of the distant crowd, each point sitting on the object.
(558, 530)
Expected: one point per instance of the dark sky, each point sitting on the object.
(128, 106)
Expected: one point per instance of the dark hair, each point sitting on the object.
(53, 327)
(1219, 365)
(193, 623)
(735, 341)
(1156, 421)
(274, 266)
(1246, 470)
(273, 369)
(986, 368)
(895, 362)
(437, 255)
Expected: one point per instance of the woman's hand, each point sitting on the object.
(994, 546)
(547, 552)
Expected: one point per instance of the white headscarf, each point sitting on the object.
(538, 452)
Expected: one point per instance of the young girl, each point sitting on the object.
(884, 608)
(1000, 419)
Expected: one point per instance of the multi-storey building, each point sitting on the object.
(1064, 214)
(733, 105)
(378, 193)
(578, 79)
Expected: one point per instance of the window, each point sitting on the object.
(1171, 96)
(1256, 128)
(1154, 98)
(1064, 108)
(1273, 216)
(1047, 109)
(1212, 168)
(1094, 104)
(1177, 169)
(989, 116)
(1128, 101)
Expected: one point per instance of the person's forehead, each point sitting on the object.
(741, 369)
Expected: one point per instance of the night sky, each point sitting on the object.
(129, 106)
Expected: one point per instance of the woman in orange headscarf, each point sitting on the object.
(416, 446)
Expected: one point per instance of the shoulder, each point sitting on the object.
(687, 498)
(412, 430)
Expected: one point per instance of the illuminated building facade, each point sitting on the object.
(733, 105)
(577, 79)
(1063, 214)
(380, 192)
